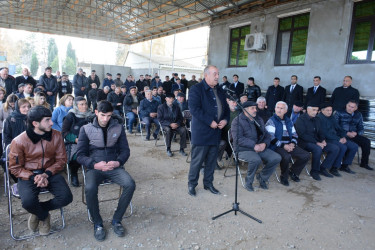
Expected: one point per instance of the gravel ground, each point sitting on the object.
(334, 213)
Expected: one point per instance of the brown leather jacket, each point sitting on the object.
(25, 156)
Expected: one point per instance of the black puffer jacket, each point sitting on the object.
(94, 147)
(14, 125)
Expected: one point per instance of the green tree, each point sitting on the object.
(52, 51)
(70, 52)
(34, 64)
(55, 63)
(69, 66)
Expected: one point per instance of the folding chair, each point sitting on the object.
(234, 157)
(68, 147)
(189, 154)
(109, 199)
(10, 206)
(141, 123)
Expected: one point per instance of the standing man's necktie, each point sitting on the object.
(315, 90)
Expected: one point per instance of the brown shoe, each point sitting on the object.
(45, 226)
(33, 222)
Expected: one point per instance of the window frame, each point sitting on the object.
(291, 30)
(371, 43)
(231, 40)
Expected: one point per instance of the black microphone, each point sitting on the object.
(228, 89)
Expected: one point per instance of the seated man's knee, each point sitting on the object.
(91, 187)
(29, 202)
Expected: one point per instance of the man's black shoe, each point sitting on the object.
(315, 176)
(74, 180)
(262, 183)
(367, 167)
(249, 187)
(192, 191)
(346, 169)
(334, 172)
(182, 152)
(118, 229)
(99, 233)
(212, 189)
(155, 136)
(147, 138)
(325, 173)
(284, 181)
(294, 177)
(218, 166)
(169, 153)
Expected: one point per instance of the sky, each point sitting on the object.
(189, 44)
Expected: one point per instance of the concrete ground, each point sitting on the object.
(333, 213)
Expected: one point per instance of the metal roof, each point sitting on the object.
(118, 21)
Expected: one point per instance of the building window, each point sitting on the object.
(362, 34)
(237, 54)
(292, 40)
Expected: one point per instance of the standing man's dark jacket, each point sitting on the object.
(50, 84)
(238, 89)
(92, 148)
(10, 86)
(248, 134)
(308, 130)
(78, 83)
(22, 79)
(291, 98)
(204, 110)
(318, 97)
(128, 84)
(141, 84)
(167, 116)
(341, 96)
(101, 95)
(65, 88)
(331, 128)
(273, 95)
(181, 87)
(253, 92)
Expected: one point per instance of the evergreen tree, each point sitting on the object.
(52, 52)
(69, 66)
(34, 64)
(70, 52)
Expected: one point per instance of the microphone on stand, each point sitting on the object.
(228, 89)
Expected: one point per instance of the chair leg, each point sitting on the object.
(307, 171)
(68, 172)
(240, 175)
(277, 177)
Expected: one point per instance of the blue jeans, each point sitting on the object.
(131, 118)
(51, 100)
(346, 154)
(148, 121)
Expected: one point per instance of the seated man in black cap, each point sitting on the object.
(284, 142)
(181, 102)
(311, 138)
(297, 111)
(253, 139)
(148, 109)
(170, 118)
(351, 121)
(336, 135)
(36, 158)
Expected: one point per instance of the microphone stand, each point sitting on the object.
(236, 204)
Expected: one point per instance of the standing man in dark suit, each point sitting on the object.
(342, 95)
(293, 93)
(316, 94)
(210, 113)
(237, 86)
(274, 94)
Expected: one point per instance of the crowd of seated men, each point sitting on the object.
(297, 128)
(283, 128)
